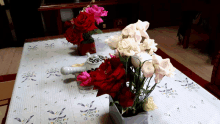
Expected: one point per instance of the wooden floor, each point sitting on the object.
(192, 58)
(167, 42)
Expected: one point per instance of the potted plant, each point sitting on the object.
(83, 26)
(127, 74)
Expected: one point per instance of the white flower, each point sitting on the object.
(117, 53)
(148, 69)
(135, 60)
(152, 50)
(128, 46)
(142, 56)
(142, 27)
(163, 67)
(129, 30)
(113, 41)
(149, 44)
(137, 36)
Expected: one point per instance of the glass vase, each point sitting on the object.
(85, 89)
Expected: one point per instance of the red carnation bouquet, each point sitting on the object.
(83, 26)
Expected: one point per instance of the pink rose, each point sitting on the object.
(98, 12)
(85, 78)
(112, 56)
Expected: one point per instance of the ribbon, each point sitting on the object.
(78, 65)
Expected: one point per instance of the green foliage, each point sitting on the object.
(87, 38)
(111, 104)
(98, 31)
(95, 31)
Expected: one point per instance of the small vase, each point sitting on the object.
(85, 89)
(117, 118)
(87, 47)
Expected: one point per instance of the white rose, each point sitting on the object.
(142, 27)
(142, 56)
(113, 41)
(149, 44)
(163, 67)
(128, 47)
(148, 69)
(152, 50)
(135, 60)
(137, 36)
(129, 30)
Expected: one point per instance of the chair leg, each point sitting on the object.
(186, 38)
(4, 119)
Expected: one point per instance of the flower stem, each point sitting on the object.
(148, 82)
(152, 88)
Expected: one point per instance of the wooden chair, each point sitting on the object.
(214, 85)
(4, 119)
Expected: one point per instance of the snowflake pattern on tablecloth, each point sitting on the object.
(32, 47)
(189, 86)
(65, 43)
(59, 119)
(47, 45)
(53, 72)
(28, 76)
(89, 113)
(24, 121)
(167, 91)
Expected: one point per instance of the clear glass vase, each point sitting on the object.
(85, 89)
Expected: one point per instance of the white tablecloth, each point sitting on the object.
(43, 95)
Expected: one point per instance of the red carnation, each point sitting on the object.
(109, 77)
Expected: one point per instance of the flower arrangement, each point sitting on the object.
(81, 28)
(127, 74)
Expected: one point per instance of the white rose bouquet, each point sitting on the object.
(135, 50)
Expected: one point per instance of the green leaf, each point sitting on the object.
(90, 40)
(122, 59)
(98, 31)
(111, 104)
(117, 102)
(92, 32)
(124, 110)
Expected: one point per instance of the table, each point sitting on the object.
(43, 95)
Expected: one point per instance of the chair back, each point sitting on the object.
(215, 79)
